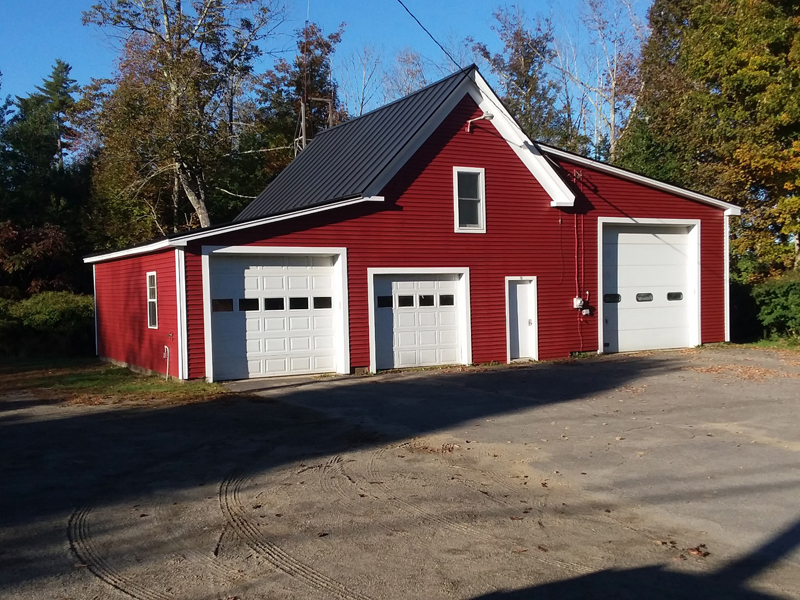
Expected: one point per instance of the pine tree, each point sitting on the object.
(56, 94)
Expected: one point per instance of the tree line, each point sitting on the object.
(699, 93)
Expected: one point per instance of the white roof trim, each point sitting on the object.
(730, 209)
(184, 239)
(559, 192)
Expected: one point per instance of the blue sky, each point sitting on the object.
(36, 32)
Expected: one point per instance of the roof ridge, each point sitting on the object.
(463, 71)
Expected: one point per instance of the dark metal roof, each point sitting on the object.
(343, 161)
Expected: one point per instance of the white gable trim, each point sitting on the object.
(481, 93)
(528, 153)
(184, 239)
(730, 209)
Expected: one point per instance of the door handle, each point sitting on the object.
(530, 322)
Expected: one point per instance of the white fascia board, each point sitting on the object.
(145, 249)
(184, 239)
(730, 209)
(559, 192)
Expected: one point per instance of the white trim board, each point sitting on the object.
(534, 301)
(340, 274)
(180, 300)
(730, 209)
(695, 329)
(727, 267)
(465, 314)
(183, 240)
(94, 298)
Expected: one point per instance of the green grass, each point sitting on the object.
(790, 344)
(91, 381)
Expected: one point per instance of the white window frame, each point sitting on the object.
(150, 300)
(481, 206)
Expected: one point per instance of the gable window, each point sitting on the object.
(152, 301)
(469, 192)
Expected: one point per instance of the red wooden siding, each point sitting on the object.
(121, 296)
(525, 236)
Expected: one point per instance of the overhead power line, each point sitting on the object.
(430, 35)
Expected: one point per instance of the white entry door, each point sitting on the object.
(521, 319)
(272, 315)
(649, 288)
(416, 320)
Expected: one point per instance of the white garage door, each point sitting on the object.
(648, 296)
(417, 320)
(272, 315)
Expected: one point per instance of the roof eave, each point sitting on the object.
(730, 209)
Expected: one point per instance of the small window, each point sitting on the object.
(273, 303)
(384, 302)
(447, 300)
(426, 300)
(674, 296)
(644, 297)
(298, 303)
(248, 304)
(469, 196)
(612, 298)
(323, 302)
(152, 301)
(222, 305)
(405, 301)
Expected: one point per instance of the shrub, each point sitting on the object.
(779, 304)
(47, 323)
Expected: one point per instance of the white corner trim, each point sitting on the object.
(465, 314)
(534, 301)
(559, 192)
(727, 279)
(208, 349)
(94, 298)
(695, 323)
(341, 292)
(481, 205)
(180, 301)
(188, 237)
(730, 209)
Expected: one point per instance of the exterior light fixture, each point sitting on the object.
(485, 117)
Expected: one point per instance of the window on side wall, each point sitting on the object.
(469, 192)
(152, 301)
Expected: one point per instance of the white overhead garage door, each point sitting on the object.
(649, 288)
(417, 320)
(272, 315)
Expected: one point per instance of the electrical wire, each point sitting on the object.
(430, 35)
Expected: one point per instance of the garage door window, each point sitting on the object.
(427, 300)
(323, 302)
(246, 304)
(384, 302)
(152, 301)
(298, 303)
(273, 303)
(674, 296)
(470, 200)
(405, 301)
(447, 300)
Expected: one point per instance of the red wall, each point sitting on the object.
(121, 296)
(525, 236)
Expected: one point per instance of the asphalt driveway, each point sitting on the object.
(660, 475)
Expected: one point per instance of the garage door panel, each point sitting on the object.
(276, 339)
(644, 264)
(420, 329)
(648, 275)
(427, 319)
(406, 319)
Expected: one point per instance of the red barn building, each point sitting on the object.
(429, 231)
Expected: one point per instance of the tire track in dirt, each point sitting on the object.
(374, 479)
(80, 542)
(243, 526)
